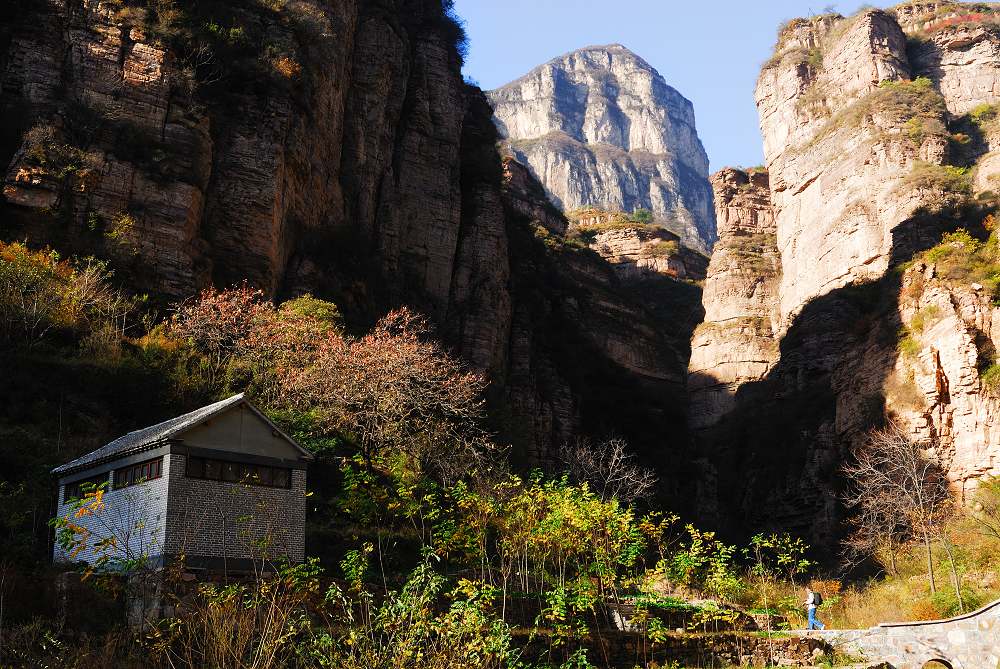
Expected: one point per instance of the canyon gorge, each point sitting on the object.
(742, 331)
(334, 148)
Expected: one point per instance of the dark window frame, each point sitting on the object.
(72, 490)
(235, 471)
(139, 472)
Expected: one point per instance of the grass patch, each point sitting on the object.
(990, 378)
(908, 346)
(905, 392)
(661, 249)
(945, 178)
(985, 118)
(600, 221)
(925, 318)
(914, 105)
(960, 258)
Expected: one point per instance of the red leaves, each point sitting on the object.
(392, 390)
(973, 17)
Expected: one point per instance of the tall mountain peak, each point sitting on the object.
(600, 127)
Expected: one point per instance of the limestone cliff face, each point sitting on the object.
(870, 156)
(636, 249)
(835, 182)
(600, 127)
(736, 343)
(331, 148)
(937, 387)
(639, 251)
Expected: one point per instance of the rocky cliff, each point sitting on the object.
(303, 145)
(736, 343)
(635, 248)
(600, 127)
(876, 140)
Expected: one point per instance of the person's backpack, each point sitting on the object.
(817, 598)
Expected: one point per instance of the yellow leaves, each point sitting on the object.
(81, 536)
(93, 506)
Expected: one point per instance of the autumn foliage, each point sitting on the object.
(43, 296)
(973, 18)
(391, 391)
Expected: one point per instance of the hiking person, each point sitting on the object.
(813, 599)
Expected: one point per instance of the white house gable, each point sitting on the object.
(240, 429)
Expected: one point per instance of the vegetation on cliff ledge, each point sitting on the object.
(914, 107)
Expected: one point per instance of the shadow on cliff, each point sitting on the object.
(603, 357)
(772, 463)
(571, 349)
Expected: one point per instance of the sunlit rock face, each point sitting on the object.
(600, 127)
(736, 343)
(834, 182)
(799, 354)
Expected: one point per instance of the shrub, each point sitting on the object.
(944, 178)
(608, 221)
(660, 249)
(986, 118)
(908, 345)
(641, 216)
(961, 258)
(287, 67)
(905, 391)
(983, 114)
(322, 311)
(453, 27)
(292, 620)
(990, 378)
(42, 295)
(924, 318)
(915, 105)
(121, 229)
(46, 147)
(815, 58)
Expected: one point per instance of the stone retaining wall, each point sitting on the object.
(971, 641)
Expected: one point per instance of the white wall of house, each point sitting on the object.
(136, 516)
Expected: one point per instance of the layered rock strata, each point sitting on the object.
(865, 169)
(835, 177)
(635, 248)
(331, 148)
(600, 127)
(736, 343)
(938, 386)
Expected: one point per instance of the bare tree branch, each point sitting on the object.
(609, 468)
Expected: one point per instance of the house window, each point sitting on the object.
(238, 472)
(137, 473)
(75, 490)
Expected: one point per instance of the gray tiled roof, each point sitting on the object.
(140, 440)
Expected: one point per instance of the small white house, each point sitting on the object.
(221, 486)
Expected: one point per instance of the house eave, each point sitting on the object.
(97, 464)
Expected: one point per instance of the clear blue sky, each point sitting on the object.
(709, 51)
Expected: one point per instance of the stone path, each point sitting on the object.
(970, 641)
